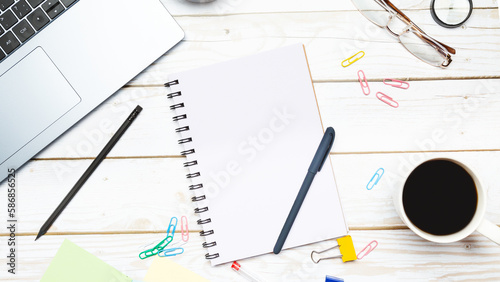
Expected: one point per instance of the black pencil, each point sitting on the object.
(89, 171)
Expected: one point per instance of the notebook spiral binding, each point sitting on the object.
(190, 164)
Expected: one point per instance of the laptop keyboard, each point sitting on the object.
(20, 20)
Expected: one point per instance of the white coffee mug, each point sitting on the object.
(478, 222)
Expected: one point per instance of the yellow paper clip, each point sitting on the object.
(351, 60)
(346, 247)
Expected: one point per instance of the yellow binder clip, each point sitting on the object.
(346, 247)
(351, 60)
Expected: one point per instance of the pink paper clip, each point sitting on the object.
(396, 83)
(184, 228)
(363, 82)
(386, 99)
(370, 247)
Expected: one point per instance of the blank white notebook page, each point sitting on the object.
(255, 127)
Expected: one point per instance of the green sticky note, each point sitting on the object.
(74, 264)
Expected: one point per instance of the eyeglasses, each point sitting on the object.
(415, 40)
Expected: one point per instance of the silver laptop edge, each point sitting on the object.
(78, 61)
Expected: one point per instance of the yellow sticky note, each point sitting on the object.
(164, 269)
(74, 264)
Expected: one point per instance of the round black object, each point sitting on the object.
(455, 17)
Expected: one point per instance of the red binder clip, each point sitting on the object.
(364, 84)
(386, 99)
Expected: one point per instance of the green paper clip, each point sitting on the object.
(156, 249)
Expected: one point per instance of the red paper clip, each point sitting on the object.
(363, 82)
(396, 83)
(370, 247)
(184, 228)
(386, 99)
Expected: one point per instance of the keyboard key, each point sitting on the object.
(1, 31)
(21, 9)
(48, 4)
(35, 3)
(7, 19)
(68, 3)
(2, 55)
(9, 42)
(4, 4)
(38, 19)
(53, 10)
(23, 30)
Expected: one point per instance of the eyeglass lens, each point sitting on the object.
(417, 45)
(373, 11)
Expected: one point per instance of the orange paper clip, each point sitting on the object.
(184, 228)
(351, 60)
(370, 247)
(386, 99)
(396, 83)
(364, 84)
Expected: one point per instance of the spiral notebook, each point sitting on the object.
(250, 128)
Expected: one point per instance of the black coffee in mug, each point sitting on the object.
(440, 197)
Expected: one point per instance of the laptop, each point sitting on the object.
(61, 59)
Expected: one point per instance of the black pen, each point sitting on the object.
(317, 163)
(102, 155)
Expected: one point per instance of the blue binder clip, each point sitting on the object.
(333, 279)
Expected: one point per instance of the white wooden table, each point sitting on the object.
(129, 200)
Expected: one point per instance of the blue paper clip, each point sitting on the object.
(375, 179)
(171, 252)
(171, 227)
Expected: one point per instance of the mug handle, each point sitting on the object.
(490, 230)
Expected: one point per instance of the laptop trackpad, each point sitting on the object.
(34, 95)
